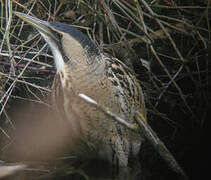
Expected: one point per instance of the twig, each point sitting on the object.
(24, 7)
(9, 169)
(3, 131)
(42, 69)
(133, 19)
(159, 146)
(27, 59)
(159, 34)
(161, 63)
(164, 30)
(24, 82)
(170, 77)
(110, 15)
(21, 73)
(109, 113)
(143, 129)
(168, 84)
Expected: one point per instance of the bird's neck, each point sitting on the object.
(82, 58)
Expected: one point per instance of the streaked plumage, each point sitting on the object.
(83, 68)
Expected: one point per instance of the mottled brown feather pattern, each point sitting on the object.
(83, 68)
(115, 88)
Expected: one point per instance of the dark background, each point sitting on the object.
(185, 133)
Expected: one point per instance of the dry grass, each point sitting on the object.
(166, 43)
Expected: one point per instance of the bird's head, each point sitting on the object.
(70, 47)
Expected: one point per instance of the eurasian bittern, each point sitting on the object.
(83, 68)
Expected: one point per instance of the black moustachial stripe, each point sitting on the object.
(79, 37)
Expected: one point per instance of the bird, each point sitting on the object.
(82, 68)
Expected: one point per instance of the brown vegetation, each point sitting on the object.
(166, 43)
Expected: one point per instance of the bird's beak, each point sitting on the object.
(42, 26)
(45, 29)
